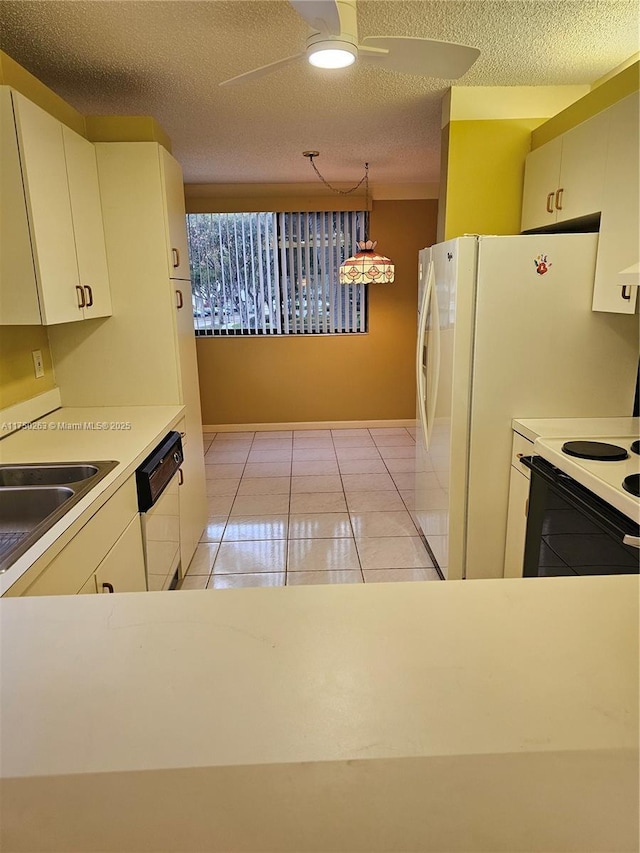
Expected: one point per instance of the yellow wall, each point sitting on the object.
(484, 175)
(17, 378)
(330, 378)
(125, 129)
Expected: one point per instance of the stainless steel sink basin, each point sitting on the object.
(23, 509)
(44, 475)
(34, 497)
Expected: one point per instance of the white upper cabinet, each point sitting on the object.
(18, 290)
(564, 179)
(44, 174)
(593, 169)
(541, 180)
(61, 244)
(177, 247)
(84, 193)
(584, 154)
(619, 241)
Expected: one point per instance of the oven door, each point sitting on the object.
(571, 531)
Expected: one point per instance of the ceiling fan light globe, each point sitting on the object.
(332, 54)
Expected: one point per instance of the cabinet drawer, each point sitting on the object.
(69, 571)
(521, 447)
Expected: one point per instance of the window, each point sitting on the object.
(274, 273)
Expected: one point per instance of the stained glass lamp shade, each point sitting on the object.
(367, 267)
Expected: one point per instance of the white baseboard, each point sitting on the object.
(14, 417)
(302, 425)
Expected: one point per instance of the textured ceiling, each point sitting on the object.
(165, 59)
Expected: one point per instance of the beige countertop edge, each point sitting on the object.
(533, 428)
(263, 676)
(129, 448)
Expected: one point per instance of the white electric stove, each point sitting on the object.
(610, 478)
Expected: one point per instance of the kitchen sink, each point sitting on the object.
(44, 475)
(34, 497)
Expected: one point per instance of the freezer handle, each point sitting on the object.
(426, 391)
(421, 359)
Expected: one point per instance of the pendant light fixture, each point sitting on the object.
(366, 266)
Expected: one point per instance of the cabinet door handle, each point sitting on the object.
(559, 198)
(89, 292)
(80, 295)
(175, 254)
(180, 477)
(180, 301)
(108, 587)
(626, 292)
(550, 202)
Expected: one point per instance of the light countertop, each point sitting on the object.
(574, 428)
(494, 715)
(125, 434)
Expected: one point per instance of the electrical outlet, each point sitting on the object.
(38, 366)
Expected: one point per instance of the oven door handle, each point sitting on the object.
(633, 541)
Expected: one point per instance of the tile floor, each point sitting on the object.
(309, 507)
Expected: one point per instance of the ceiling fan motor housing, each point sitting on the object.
(319, 45)
(345, 41)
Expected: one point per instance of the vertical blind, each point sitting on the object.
(274, 273)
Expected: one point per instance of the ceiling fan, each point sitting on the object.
(334, 44)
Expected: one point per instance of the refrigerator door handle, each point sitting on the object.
(427, 391)
(420, 377)
(435, 355)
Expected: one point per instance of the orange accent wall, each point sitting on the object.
(330, 378)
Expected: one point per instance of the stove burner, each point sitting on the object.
(635, 447)
(595, 450)
(632, 484)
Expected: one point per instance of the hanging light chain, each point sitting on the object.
(363, 180)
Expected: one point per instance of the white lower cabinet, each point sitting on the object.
(191, 489)
(519, 483)
(106, 550)
(122, 570)
(516, 524)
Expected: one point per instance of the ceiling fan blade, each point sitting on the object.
(423, 57)
(322, 15)
(262, 71)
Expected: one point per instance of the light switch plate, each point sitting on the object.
(38, 365)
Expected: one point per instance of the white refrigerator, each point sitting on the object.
(505, 330)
